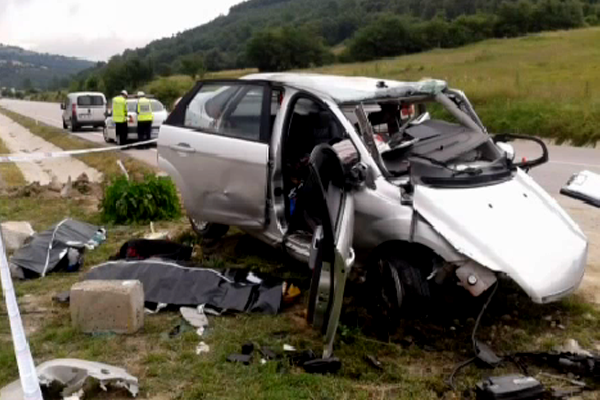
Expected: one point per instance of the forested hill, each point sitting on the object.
(23, 69)
(283, 34)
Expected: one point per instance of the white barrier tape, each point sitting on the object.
(25, 157)
(27, 372)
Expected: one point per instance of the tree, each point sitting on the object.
(386, 36)
(27, 85)
(192, 65)
(285, 48)
(92, 83)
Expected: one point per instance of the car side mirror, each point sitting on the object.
(63, 106)
(525, 164)
(507, 149)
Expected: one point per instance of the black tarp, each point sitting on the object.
(47, 249)
(175, 284)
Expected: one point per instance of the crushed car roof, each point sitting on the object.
(352, 89)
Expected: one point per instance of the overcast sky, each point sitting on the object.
(98, 29)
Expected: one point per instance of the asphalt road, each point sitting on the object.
(564, 160)
(51, 114)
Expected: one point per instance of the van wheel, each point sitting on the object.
(208, 230)
(65, 126)
(397, 288)
(74, 127)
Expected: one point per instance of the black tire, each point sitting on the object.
(209, 230)
(74, 127)
(65, 126)
(398, 288)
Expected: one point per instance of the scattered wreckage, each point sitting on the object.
(70, 375)
(319, 165)
(584, 185)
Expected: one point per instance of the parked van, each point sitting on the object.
(83, 109)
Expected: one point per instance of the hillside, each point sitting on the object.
(19, 68)
(544, 84)
(284, 34)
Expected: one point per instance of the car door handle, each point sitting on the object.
(182, 148)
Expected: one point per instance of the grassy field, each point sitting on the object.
(10, 174)
(417, 357)
(546, 84)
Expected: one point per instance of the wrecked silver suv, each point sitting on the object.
(303, 160)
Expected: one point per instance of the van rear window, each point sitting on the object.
(90, 101)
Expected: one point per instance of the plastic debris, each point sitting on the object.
(287, 347)
(202, 348)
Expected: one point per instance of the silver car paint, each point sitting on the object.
(380, 216)
(229, 175)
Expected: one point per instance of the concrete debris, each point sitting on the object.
(82, 184)
(73, 374)
(153, 235)
(194, 316)
(573, 347)
(15, 233)
(202, 348)
(55, 185)
(65, 193)
(107, 306)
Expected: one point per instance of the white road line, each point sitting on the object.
(575, 164)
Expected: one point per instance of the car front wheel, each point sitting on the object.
(208, 230)
(397, 287)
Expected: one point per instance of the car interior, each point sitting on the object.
(310, 125)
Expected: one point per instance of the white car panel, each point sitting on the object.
(546, 255)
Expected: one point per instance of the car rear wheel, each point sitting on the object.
(208, 230)
(74, 127)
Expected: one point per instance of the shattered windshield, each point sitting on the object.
(437, 130)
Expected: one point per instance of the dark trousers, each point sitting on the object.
(144, 130)
(121, 131)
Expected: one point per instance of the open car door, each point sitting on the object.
(215, 145)
(329, 204)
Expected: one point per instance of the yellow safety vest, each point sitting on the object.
(119, 106)
(144, 110)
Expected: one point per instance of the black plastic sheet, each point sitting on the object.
(175, 284)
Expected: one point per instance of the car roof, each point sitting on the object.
(77, 94)
(352, 89)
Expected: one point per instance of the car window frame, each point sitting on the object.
(177, 117)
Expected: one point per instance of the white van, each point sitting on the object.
(83, 109)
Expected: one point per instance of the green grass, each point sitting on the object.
(10, 174)
(417, 357)
(105, 162)
(546, 84)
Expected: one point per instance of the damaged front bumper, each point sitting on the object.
(513, 228)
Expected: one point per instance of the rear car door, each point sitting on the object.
(215, 145)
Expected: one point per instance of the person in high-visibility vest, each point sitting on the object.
(119, 115)
(145, 117)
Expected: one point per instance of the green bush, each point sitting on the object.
(128, 201)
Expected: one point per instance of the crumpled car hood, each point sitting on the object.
(513, 227)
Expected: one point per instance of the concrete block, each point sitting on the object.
(107, 306)
(15, 233)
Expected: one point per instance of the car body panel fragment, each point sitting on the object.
(547, 257)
